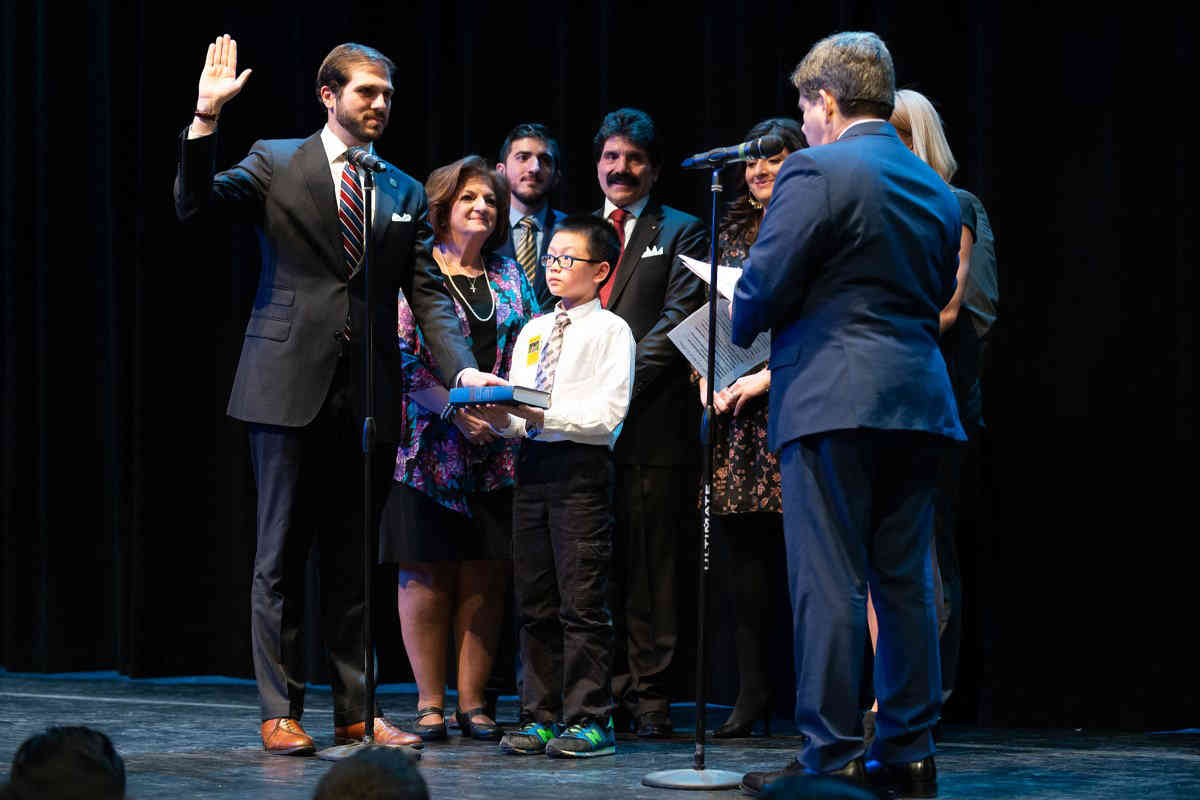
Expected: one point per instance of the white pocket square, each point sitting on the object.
(401, 217)
(652, 251)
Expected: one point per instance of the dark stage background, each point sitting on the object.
(128, 525)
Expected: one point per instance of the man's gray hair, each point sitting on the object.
(855, 67)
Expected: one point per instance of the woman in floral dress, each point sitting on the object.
(448, 519)
(746, 485)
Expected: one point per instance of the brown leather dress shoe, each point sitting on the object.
(283, 736)
(386, 734)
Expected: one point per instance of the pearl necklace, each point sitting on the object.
(472, 278)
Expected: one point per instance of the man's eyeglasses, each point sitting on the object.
(565, 262)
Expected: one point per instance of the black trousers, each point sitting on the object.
(858, 508)
(562, 554)
(655, 512)
(310, 491)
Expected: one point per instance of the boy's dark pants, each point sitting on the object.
(562, 549)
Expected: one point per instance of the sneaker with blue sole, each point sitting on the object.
(584, 740)
(528, 740)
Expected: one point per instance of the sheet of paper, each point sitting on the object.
(727, 277)
(732, 362)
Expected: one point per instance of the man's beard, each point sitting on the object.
(531, 197)
(357, 128)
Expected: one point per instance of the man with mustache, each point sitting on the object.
(658, 453)
(531, 161)
(299, 383)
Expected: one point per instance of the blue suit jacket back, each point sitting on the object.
(855, 258)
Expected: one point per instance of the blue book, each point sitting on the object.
(499, 395)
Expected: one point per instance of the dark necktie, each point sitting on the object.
(352, 217)
(617, 217)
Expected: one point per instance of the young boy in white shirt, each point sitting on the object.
(562, 519)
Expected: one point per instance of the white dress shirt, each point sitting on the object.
(635, 210)
(859, 122)
(592, 383)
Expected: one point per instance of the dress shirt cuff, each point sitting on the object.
(515, 429)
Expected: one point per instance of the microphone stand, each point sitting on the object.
(699, 776)
(370, 534)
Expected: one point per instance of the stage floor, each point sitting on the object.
(198, 738)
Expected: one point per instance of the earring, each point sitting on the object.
(754, 203)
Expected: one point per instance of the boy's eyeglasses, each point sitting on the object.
(565, 262)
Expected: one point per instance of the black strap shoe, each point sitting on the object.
(477, 730)
(430, 733)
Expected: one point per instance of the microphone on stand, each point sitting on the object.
(361, 158)
(762, 147)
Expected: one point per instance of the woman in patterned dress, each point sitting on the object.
(746, 487)
(448, 519)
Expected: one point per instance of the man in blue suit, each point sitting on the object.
(855, 259)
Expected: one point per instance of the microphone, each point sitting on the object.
(762, 147)
(361, 158)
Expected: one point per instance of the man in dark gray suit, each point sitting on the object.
(532, 162)
(855, 259)
(299, 382)
(658, 453)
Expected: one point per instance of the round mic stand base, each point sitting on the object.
(699, 776)
(696, 779)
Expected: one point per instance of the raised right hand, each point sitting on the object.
(219, 81)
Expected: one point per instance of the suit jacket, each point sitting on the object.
(855, 258)
(305, 294)
(653, 294)
(540, 287)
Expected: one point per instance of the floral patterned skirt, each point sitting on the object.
(745, 471)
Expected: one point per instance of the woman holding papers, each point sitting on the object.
(746, 486)
(448, 519)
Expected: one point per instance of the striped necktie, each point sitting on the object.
(527, 247)
(350, 213)
(548, 362)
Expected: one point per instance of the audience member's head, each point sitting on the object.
(68, 763)
(373, 773)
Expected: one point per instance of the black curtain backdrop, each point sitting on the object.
(128, 503)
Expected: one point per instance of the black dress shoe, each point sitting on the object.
(483, 732)
(914, 779)
(655, 725)
(755, 783)
(854, 774)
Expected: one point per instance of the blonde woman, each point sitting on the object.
(964, 322)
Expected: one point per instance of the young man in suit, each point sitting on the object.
(531, 160)
(658, 453)
(299, 383)
(855, 259)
